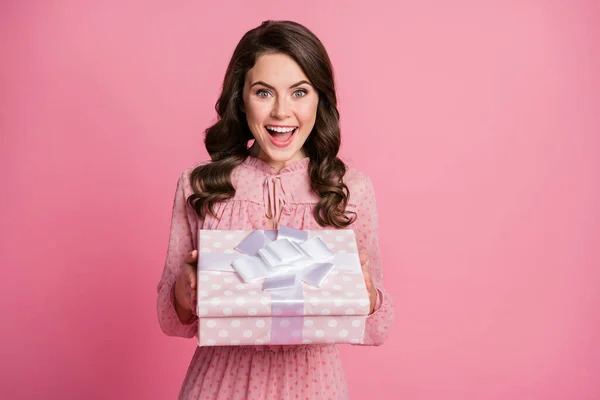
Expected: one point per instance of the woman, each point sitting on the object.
(273, 161)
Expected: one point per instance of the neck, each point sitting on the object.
(255, 151)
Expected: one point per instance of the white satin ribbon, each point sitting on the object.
(285, 261)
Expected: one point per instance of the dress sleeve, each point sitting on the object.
(379, 323)
(184, 225)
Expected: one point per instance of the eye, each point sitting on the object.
(300, 93)
(263, 93)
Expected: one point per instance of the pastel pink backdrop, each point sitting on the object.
(478, 122)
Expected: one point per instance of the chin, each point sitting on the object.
(282, 155)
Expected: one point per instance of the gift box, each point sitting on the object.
(285, 286)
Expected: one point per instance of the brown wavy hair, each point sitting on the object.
(227, 140)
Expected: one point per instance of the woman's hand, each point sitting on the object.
(364, 262)
(186, 288)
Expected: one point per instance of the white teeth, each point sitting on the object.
(280, 130)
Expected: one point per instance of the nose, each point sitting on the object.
(280, 109)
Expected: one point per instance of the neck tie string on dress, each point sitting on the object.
(274, 198)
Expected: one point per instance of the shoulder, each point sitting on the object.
(184, 186)
(241, 176)
(361, 199)
(359, 185)
(185, 174)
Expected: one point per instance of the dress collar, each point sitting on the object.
(257, 163)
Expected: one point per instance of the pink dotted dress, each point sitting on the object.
(268, 372)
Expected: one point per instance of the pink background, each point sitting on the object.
(478, 121)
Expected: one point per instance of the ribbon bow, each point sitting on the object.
(274, 198)
(283, 260)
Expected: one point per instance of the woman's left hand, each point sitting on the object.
(364, 262)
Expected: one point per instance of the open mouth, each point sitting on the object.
(281, 136)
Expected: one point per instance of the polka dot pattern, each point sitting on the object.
(240, 331)
(225, 290)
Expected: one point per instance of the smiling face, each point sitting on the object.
(281, 108)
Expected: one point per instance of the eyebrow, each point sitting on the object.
(272, 88)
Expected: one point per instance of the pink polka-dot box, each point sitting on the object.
(299, 301)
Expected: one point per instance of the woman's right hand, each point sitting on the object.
(186, 288)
